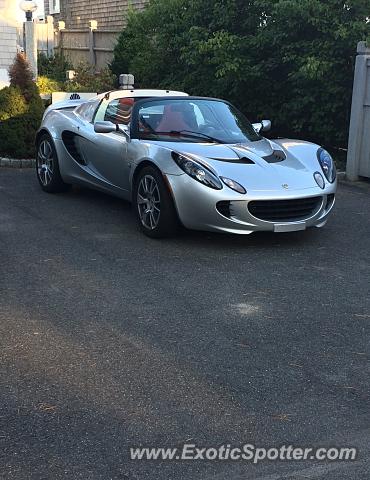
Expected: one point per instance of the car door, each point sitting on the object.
(106, 153)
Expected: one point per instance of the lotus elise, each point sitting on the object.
(183, 160)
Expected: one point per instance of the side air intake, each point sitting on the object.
(69, 140)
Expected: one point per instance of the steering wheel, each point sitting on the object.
(146, 125)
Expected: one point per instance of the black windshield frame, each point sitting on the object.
(134, 127)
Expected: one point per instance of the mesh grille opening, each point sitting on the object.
(284, 210)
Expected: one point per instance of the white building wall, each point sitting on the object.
(8, 37)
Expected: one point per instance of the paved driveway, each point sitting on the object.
(110, 340)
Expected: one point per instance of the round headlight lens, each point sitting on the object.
(197, 171)
(233, 185)
(327, 164)
(319, 179)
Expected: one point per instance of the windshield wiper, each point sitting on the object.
(191, 134)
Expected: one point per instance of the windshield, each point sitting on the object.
(193, 120)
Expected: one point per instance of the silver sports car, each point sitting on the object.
(185, 160)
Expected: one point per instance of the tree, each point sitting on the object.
(290, 60)
(21, 76)
(20, 123)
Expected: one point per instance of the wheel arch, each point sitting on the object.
(40, 133)
(140, 166)
(144, 163)
(149, 163)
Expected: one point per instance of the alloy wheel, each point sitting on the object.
(149, 202)
(45, 162)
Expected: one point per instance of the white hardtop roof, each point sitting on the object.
(113, 95)
(143, 93)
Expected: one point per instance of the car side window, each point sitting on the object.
(119, 111)
(87, 110)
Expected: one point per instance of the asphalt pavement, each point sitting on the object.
(110, 340)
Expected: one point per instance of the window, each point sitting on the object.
(151, 117)
(54, 6)
(87, 110)
(119, 111)
(193, 120)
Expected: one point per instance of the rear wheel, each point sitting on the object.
(154, 208)
(47, 166)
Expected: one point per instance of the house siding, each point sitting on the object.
(8, 39)
(110, 14)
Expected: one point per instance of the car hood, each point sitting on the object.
(293, 172)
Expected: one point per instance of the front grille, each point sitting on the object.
(284, 210)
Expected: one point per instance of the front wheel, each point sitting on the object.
(47, 166)
(154, 208)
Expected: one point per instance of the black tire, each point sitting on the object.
(47, 166)
(152, 223)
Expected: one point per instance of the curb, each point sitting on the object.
(17, 163)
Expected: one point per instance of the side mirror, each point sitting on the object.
(109, 127)
(266, 125)
(105, 127)
(263, 126)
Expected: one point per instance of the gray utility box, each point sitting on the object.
(358, 159)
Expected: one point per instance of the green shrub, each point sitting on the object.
(17, 135)
(87, 81)
(17, 132)
(52, 76)
(53, 67)
(12, 103)
(48, 85)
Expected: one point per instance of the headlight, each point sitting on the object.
(327, 164)
(319, 179)
(197, 171)
(233, 185)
